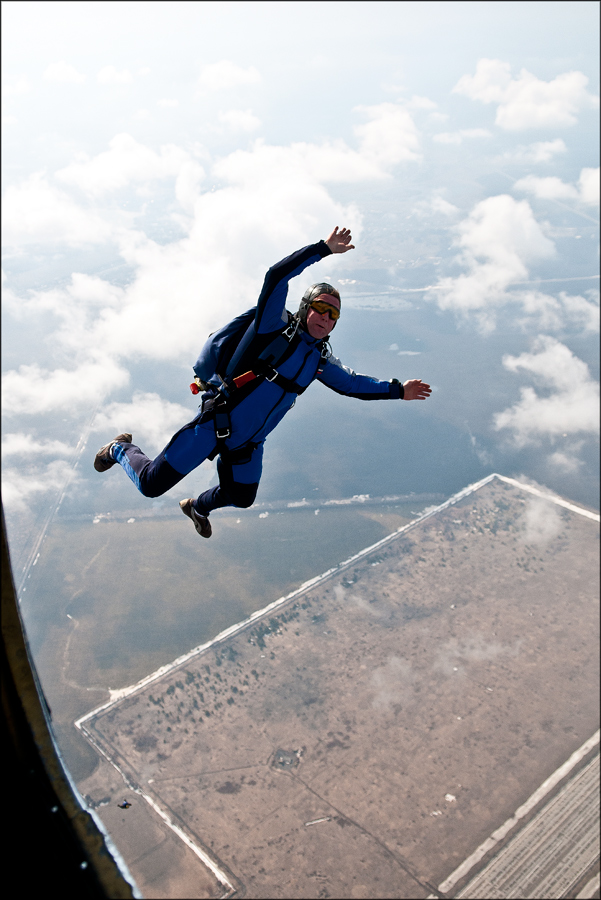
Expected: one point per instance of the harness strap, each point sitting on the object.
(264, 367)
(219, 406)
(269, 373)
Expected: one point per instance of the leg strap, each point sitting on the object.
(223, 430)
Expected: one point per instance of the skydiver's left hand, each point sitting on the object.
(340, 241)
(416, 389)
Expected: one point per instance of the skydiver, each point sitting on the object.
(239, 411)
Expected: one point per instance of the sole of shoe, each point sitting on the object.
(201, 523)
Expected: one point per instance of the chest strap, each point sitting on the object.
(218, 406)
(266, 372)
(264, 368)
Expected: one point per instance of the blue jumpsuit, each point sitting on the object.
(257, 415)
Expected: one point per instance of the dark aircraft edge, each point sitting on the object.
(51, 838)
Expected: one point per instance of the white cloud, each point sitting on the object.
(498, 238)
(440, 205)
(37, 211)
(63, 72)
(497, 241)
(32, 390)
(437, 205)
(526, 101)
(589, 186)
(110, 75)
(166, 102)
(15, 88)
(554, 313)
(417, 102)
(540, 522)
(19, 487)
(567, 460)
(239, 120)
(549, 188)
(73, 305)
(226, 74)
(188, 184)
(453, 655)
(504, 231)
(447, 137)
(90, 290)
(570, 404)
(306, 163)
(457, 137)
(127, 161)
(582, 311)
(390, 136)
(489, 84)
(24, 445)
(391, 683)
(148, 417)
(553, 188)
(538, 152)
(439, 117)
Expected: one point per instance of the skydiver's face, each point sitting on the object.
(320, 325)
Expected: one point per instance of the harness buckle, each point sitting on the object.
(223, 426)
(274, 374)
(291, 329)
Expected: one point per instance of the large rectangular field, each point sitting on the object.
(362, 738)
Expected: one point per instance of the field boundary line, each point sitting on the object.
(558, 500)
(468, 864)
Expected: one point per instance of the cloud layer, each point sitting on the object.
(225, 214)
(271, 198)
(526, 101)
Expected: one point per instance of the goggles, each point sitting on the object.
(322, 307)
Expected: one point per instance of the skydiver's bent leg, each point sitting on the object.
(152, 477)
(238, 483)
(186, 450)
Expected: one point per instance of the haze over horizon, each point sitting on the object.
(156, 165)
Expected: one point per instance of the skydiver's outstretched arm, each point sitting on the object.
(272, 299)
(416, 389)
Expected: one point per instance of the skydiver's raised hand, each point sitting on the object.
(416, 389)
(340, 241)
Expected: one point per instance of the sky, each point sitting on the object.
(159, 157)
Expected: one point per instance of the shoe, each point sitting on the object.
(103, 459)
(201, 523)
